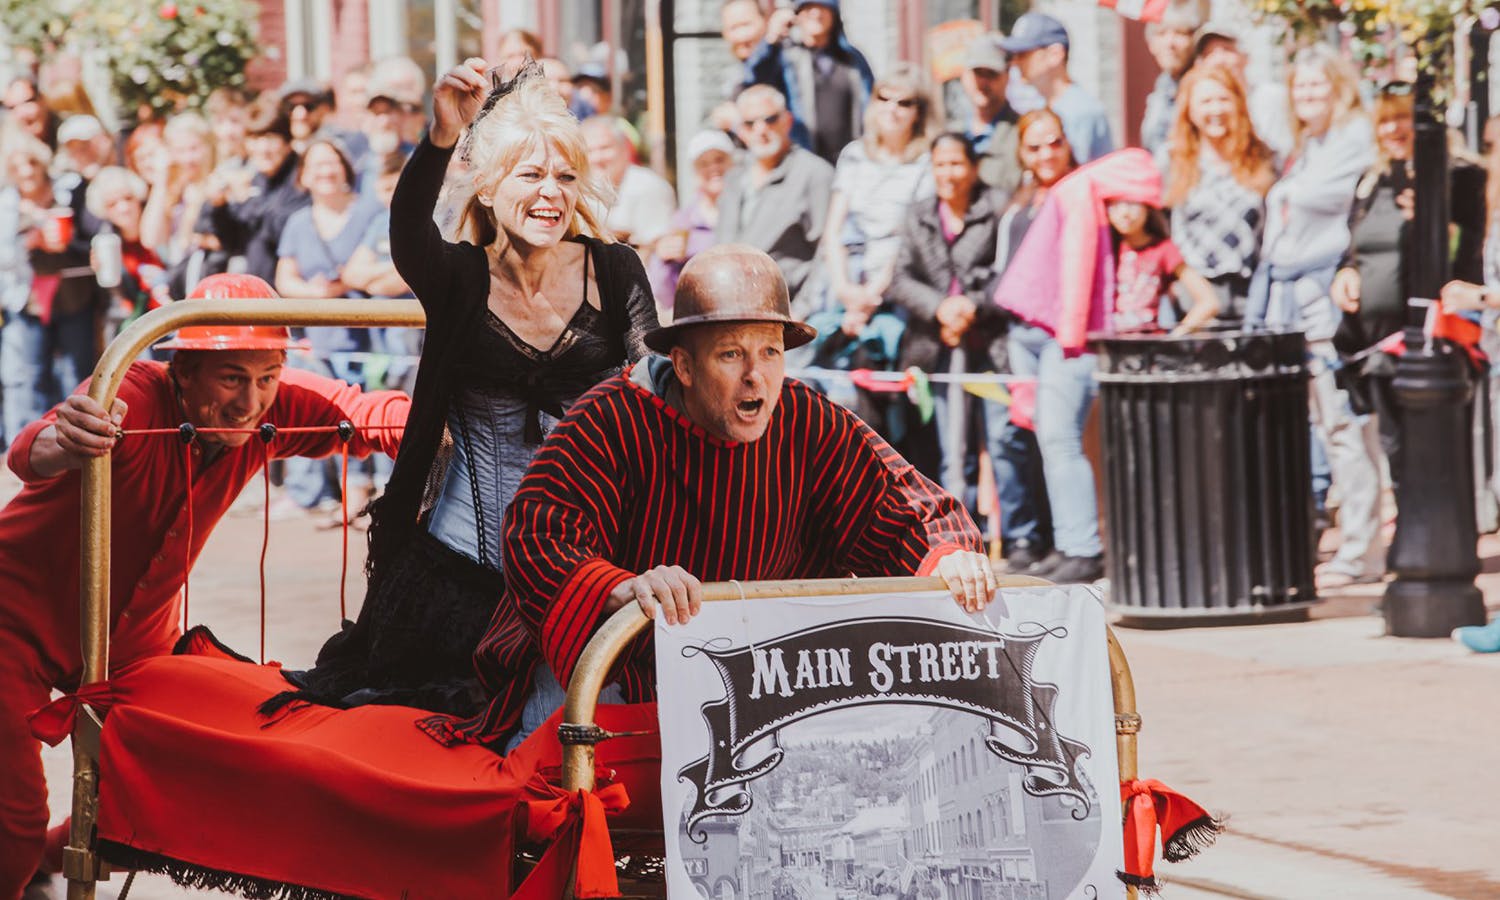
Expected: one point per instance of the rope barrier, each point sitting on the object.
(187, 432)
(267, 432)
(902, 376)
(187, 544)
(346, 434)
(265, 539)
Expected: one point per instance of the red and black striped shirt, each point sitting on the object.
(626, 482)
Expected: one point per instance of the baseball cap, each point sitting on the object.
(831, 4)
(592, 71)
(309, 87)
(1034, 31)
(1215, 28)
(1182, 16)
(984, 53)
(708, 141)
(80, 127)
(393, 88)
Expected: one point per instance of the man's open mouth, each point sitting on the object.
(750, 407)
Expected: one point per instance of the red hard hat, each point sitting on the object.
(233, 286)
(229, 286)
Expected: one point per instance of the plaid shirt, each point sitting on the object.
(1218, 225)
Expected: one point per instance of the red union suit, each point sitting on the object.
(151, 545)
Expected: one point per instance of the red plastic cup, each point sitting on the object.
(59, 226)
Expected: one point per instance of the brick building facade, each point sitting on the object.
(326, 38)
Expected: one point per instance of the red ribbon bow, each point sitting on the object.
(574, 822)
(1186, 828)
(54, 722)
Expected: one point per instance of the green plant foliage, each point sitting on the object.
(37, 26)
(1374, 27)
(163, 56)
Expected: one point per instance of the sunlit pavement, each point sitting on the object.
(1351, 764)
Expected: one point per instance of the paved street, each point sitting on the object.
(1352, 765)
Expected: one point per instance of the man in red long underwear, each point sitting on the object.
(706, 465)
(164, 507)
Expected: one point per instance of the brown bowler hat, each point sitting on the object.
(728, 284)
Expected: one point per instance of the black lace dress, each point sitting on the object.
(484, 401)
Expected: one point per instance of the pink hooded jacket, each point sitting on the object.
(1062, 277)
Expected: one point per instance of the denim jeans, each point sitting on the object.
(1322, 474)
(1353, 462)
(1065, 392)
(1018, 476)
(953, 409)
(41, 363)
(546, 698)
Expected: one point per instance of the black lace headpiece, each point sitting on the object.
(500, 87)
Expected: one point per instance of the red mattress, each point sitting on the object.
(349, 802)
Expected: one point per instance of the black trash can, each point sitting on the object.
(1208, 486)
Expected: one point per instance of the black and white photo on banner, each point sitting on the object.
(880, 746)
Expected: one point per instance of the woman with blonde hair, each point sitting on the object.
(1216, 183)
(1306, 236)
(178, 187)
(532, 307)
(876, 181)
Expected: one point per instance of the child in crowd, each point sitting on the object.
(1147, 265)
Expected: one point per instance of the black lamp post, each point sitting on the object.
(1435, 555)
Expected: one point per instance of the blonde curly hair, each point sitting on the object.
(521, 116)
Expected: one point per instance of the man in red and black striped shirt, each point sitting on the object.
(706, 466)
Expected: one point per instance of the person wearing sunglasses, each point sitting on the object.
(534, 305)
(777, 200)
(875, 183)
(306, 103)
(394, 116)
(1374, 277)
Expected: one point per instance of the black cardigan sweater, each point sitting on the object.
(452, 283)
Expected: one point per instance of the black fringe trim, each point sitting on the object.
(203, 631)
(308, 697)
(1192, 838)
(1146, 887)
(187, 875)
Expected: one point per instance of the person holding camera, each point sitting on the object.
(826, 80)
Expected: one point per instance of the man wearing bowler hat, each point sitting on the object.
(702, 464)
(226, 381)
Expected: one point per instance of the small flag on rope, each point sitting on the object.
(1140, 10)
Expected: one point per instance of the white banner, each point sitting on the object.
(894, 747)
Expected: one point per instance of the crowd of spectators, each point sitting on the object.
(954, 261)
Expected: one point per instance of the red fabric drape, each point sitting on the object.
(54, 722)
(574, 826)
(357, 801)
(1149, 807)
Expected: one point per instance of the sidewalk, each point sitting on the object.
(1350, 764)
